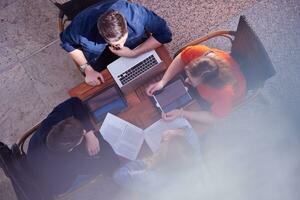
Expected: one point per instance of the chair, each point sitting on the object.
(68, 9)
(249, 52)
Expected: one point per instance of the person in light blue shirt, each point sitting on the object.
(178, 153)
(110, 29)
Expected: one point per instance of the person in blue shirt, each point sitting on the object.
(110, 29)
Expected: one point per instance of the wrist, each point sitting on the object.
(83, 67)
(163, 82)
(89, 134)
(181, 113)
(135, 52)
(88, 69)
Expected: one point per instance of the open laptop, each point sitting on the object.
(130, 73)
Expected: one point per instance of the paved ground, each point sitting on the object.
(251, 155)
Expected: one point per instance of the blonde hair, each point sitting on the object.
(175, 152)
(211, 70)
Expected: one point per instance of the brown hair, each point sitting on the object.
(64, 135)
(211, 70)
(174, 153)
(112, 26)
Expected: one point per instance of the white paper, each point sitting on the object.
(153, 134)
(130, 142)
(112, 128)
(127, 139)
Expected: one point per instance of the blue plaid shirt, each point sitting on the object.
(83, 33)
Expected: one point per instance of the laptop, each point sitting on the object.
(130, 73)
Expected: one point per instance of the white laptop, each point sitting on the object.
(130, 73)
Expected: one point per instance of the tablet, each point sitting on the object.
(173, 96)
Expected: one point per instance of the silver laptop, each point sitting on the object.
(130, 73)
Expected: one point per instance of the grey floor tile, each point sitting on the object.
(26, 26)
(4, 3)
(192, 18)
(21, 106)
(53, 73)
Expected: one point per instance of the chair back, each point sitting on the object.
(70, 8)
(249, 52)
(14, 165)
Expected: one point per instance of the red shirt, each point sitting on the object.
(221, 99)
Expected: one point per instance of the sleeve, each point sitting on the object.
(223, 106)
(155, 25)
(68, 39)
(192, 52)
(127, 175)
(69, 108)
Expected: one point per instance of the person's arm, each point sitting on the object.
(203, 117)
(80, 113)
(92, 77)
(70, 43)
(130, 173)
(150, 44)
(199, 116)
(157, 27)
(92, 143)
(175, 67)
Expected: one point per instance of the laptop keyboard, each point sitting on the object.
(137, 69)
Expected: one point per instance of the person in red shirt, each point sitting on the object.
(216, 77)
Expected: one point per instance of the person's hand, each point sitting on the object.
(172, 114)
(123, 52)
(168, 134)
(154, 87)
(91, 143)
(93, 77)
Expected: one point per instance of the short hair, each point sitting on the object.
(64, 135)
(112, 26)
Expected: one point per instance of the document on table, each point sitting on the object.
(126, 139)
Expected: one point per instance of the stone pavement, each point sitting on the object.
(246, 156)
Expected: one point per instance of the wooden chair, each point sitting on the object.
(249, 52)
(68, 9)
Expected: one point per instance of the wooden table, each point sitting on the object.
(140, 111)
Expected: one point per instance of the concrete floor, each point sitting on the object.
(252, 154)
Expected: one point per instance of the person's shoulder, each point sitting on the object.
(129, 8)
(192, 52)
